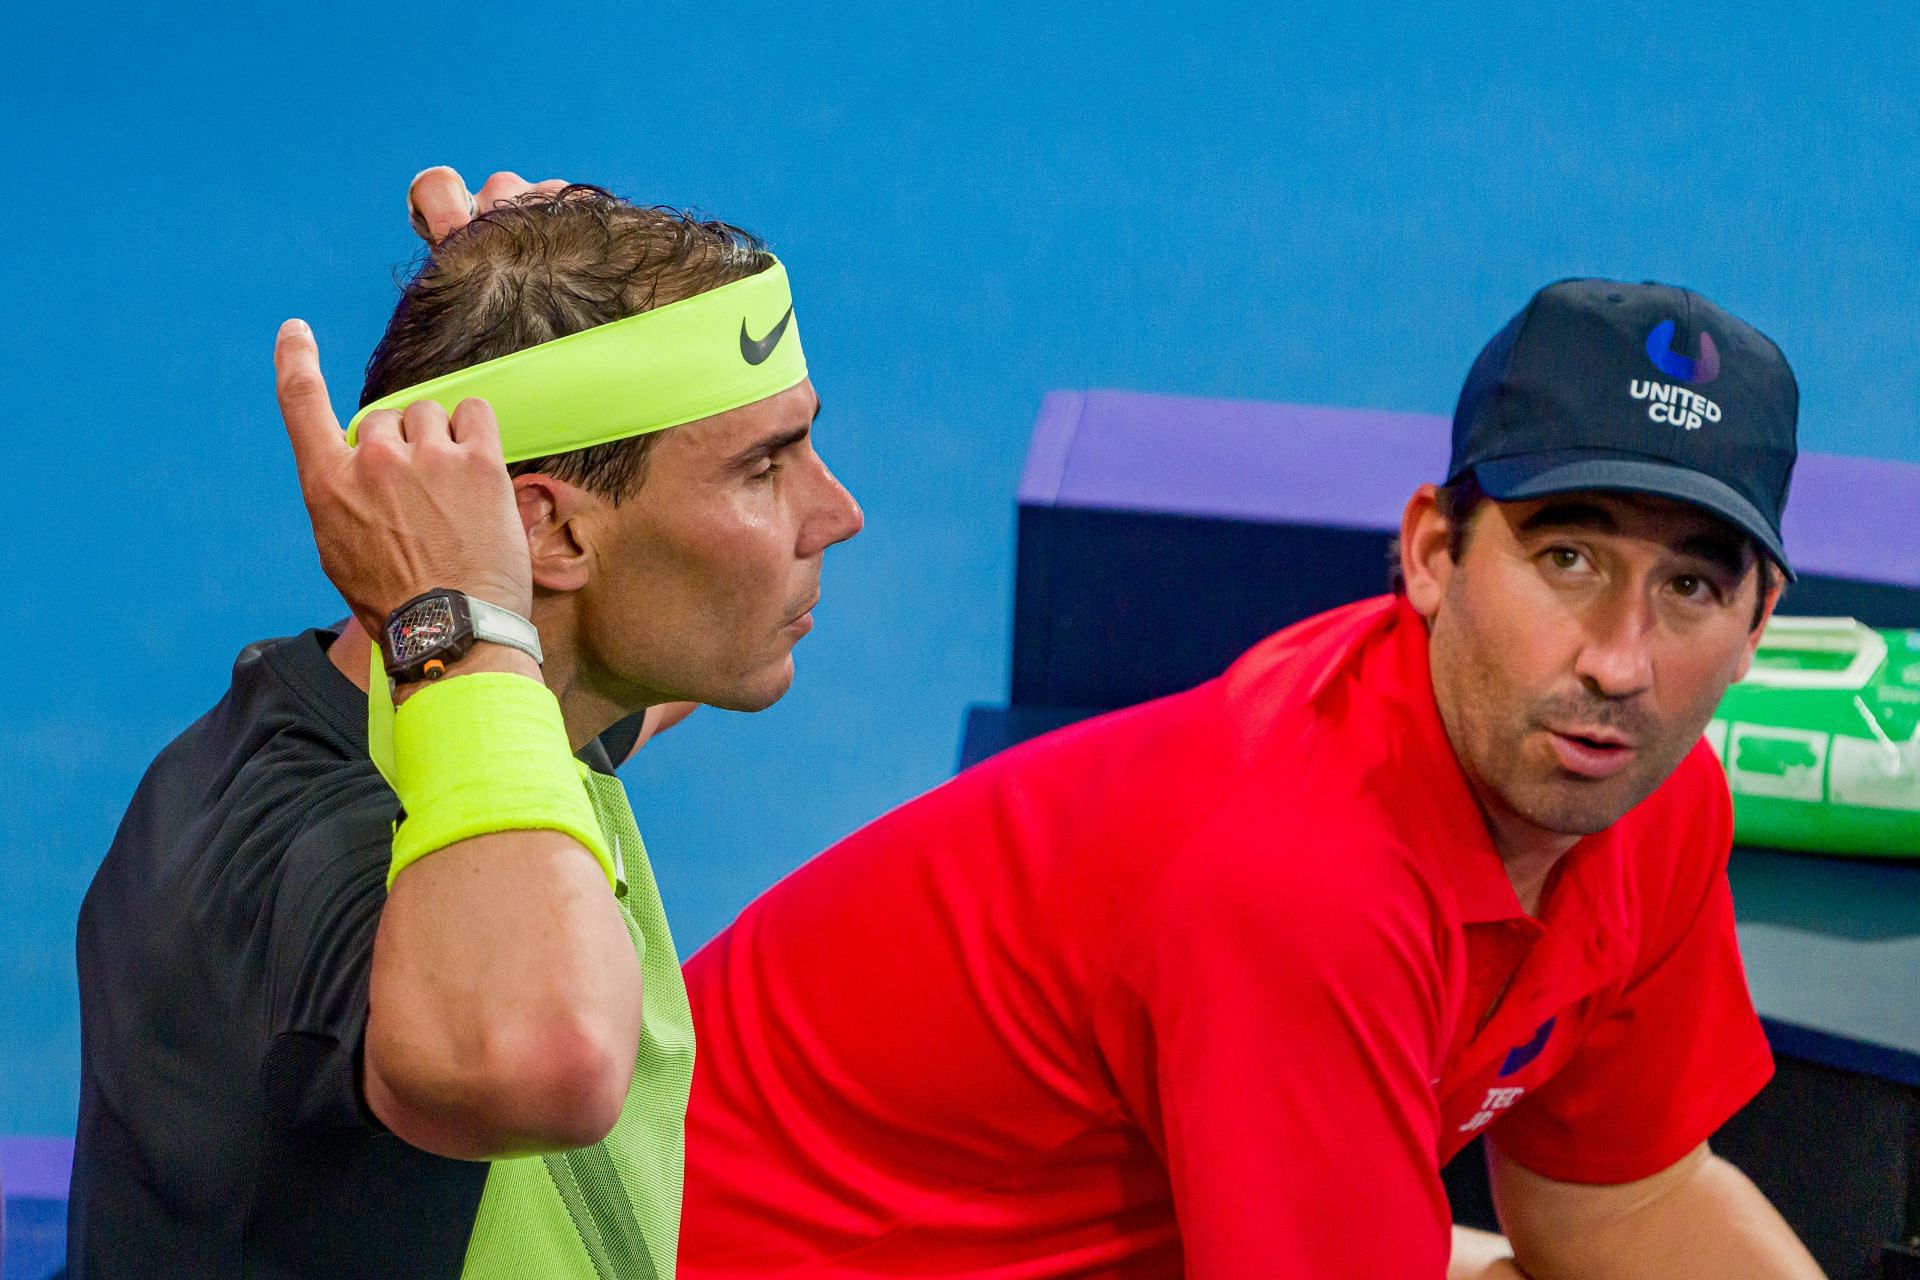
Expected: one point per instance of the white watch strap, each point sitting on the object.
(504, 626)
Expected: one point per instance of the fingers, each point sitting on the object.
(304, 406)
(473, 423)
(501, 187)
(381, 427)
(438, 203)
(507, 185)
(424, 422)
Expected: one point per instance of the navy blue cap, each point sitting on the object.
(1637, 388)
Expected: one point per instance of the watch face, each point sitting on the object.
(420, 629)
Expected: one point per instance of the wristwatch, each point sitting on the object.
(435, 627)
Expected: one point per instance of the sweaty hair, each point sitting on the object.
(541, 267)
(1458, 502)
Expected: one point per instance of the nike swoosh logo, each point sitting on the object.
(757, 352)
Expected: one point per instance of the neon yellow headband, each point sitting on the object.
(679, 363)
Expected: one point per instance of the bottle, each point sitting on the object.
(1821, 741)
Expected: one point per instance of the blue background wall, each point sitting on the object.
(1326, 204)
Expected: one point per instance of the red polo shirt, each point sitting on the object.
(1215, 983)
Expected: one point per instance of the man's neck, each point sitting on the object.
(1528, 853)
(587, 715)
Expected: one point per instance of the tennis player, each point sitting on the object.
(1214, 987)
(428, 1020)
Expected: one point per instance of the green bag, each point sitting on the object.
(1821, 741)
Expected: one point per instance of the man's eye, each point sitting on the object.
(1691, 586)
(765, 472)
(1564, 558)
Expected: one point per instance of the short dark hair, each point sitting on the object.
(1460, 501)
(1457, 503)
(544, 266)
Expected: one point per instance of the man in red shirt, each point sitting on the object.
(1217, 984)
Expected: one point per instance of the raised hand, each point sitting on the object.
(423, 501)
(438, 203)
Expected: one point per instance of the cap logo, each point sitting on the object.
(1677, 406)
(1670, 362)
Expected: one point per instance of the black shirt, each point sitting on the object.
(224, 953)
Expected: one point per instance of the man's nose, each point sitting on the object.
(835, 516)
(1616, 661)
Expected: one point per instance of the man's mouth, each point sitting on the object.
(1591, 752)
(803, 620)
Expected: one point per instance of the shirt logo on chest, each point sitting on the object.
(1523, 1054)
(1500, 1097)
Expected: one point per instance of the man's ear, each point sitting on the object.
(1426, 564)
(550, 512)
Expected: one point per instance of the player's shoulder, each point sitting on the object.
(1257, 890)
(1192, 747)
(1319, 838)
(1087, 818)
(297, 769)
(271, 762)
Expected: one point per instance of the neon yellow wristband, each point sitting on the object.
(486, 752)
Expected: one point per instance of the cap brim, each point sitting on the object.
(1541, 475)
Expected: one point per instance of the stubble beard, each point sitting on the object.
(1547, 797)
(1503, 750)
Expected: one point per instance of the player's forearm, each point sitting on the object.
(505, 994)
(505, 1000)
(1710, 1223)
